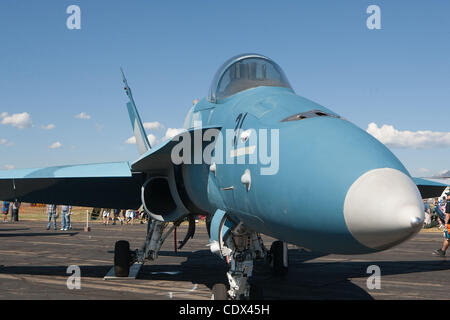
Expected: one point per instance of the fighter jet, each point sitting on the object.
(255, 158)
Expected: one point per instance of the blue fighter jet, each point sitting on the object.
(255, 158)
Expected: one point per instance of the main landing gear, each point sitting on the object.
(124, 258)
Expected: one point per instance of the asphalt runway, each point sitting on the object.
(34, 261)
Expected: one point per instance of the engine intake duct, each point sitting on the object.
(161, 201)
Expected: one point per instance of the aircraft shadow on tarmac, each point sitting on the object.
(17, 229)
(37, 234)
(312, 280)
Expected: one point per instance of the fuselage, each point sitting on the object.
(334, 188)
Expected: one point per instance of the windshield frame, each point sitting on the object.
(212, 96)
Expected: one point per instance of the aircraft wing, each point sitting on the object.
(428, 188)
(104, 185)
(159, 157)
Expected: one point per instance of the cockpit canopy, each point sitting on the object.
(244, 72)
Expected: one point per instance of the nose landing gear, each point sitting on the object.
(240, 249)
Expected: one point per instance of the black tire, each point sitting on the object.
(279, 259)
(219, 292)
(122, 258)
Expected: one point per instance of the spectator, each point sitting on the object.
(116, 213)
(106, 214)
(427, 213)
(5, 211)
(441, 252)
(439, 213)
(143, 216)
(122, 216)
(51, 211)
(130, 216)
(15, 211)
(65, 219)
(69, 214)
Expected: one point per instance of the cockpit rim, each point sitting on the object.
(212, 97)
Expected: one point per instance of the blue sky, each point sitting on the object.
(170, 50)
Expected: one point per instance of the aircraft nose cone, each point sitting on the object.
(382, 208)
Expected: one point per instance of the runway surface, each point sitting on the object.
(34, 262)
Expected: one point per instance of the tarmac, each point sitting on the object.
(34, 263)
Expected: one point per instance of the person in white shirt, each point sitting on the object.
(130, 216)
(106, 214)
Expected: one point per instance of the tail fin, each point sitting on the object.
(138, 129)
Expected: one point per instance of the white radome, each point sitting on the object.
(382, 208)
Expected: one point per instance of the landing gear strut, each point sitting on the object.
(156, 235)
(124, 258)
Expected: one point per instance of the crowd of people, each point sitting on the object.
(66, 212)
(13, 207)
(434, 212)
(53, 210)
(438, 213)
(123, 216)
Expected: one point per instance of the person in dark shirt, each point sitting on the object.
(116, 213)
(15, 211)
(446, 244)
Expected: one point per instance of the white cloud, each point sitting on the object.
(394, 138)
(172, 132)
(155, 125)
(131, 140)
(5, 142)
(83, 115)
(48, 127)
(442, 174)
(19, 120)
(55, 145)
(151, 138)
(9, 166)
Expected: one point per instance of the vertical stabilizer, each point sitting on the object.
(138, 129)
